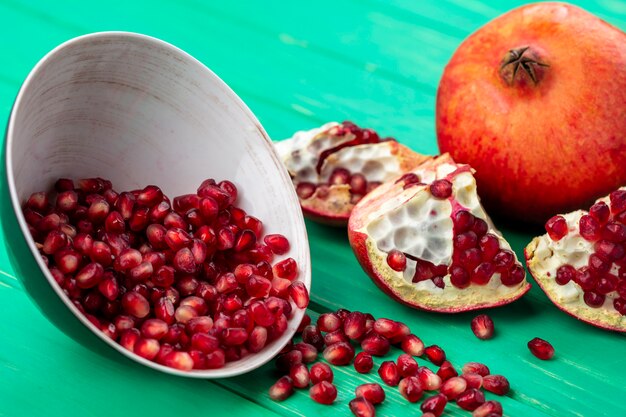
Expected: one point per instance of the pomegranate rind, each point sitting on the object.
(300, 154)
(542, 259)
(373, 261)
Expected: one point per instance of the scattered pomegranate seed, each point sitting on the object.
(363, 363)
(287, 360)
(434, 404)
(329, 322)
(299, 375)
(453, 387)
(412, 345)
(339, 353)
(482, 326)
(496, 383)
(360, 407)
(132, 261)
(475, 368)
(321, 372)
(435, 354)
(323, 392)
(354, 325)
(473, 380)
(488, 409)
(407, 366)
(376, 345)
(471, 399)
(541, 349)
(430, 381)
(372, 392)
(446, 371)
(388, 372)
(410, 389)
(282, 389)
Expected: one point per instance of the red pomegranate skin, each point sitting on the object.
(546, 146)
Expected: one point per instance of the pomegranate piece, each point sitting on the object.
(321, 372)
(472, 267)
(587, 264)
(496, 383)
(282, 389)
(388, 372)
(482, 326)
(360, 407)
(189, 285)
(332, 167)
(471, 399)
(363, 363)
(372, 392)
(323, 392)
(434, 404)
(410, 389)
(541, 349)
(488, 409)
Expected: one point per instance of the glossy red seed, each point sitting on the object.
(482, 273)
(323, 392)
(410, 389)
(593, 299)
(475, 368)
(135, 304)
(321, 372)
(360, 407)
(287, 269)
(482, 326)
(354, 325)
(372, 392)
(453, 387)
(600, 211)
(541, 348)
(407, 366)
(435, 404)
(430, 381)
(299, 374)
(441, 189)
(471, 399)
(376, 345)
(299, 294)
(89, 276)
(435, 354)
(463, 221)
(154, 328)
(589, 228)
(446, 371)
(329, 322)
(287, 360)
(412, 345)
(388, 372)
(618, 201)
(396, 260)
(339, 354)
(556, 227)
(277, 243)
(363, 363)
(473, 380)
(312, 335)
(497, 384)
(565, 274)
(282, 389)
(488, 409)
(585, 279)
(466, 240)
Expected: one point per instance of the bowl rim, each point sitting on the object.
(305, 272)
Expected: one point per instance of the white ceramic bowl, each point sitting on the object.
(139, 111)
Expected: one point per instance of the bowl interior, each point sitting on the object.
(138, 111)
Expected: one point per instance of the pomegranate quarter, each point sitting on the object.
(580, 263)
(335, 165)
(426, 241)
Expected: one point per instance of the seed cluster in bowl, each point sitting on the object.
(188, 283)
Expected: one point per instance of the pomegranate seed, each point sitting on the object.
(376, 345)
(299, 294)
(565, 274)
(465, 240)
(410, 389)
(614, 232)
(174, 221)
(496, 383)
(489, 246)
(215, 359)
(396, 260)
(429, 380)
(67, 260)
(323, 392)
(488, 409)
(358, 184)
(141, 272)
(412, 345)
(407, 366)
(67, 201)
(89, 276)
(482, 273)
(354, 325)
(259, 287)
(277, 243)
(360, 407)
(305, 190)
(480, 227)
(475, 368)
(328, 322)
(541, 349)
(321, 372)
(386, 327)
(149, 196)
(434, 404)
(388, 372)
(282, 389)
(287, 360)
(453, 387)
(593, 299)
(339, 176)
(335, 337)
(473, 380)
(199, 324)
(483, 327)
(435, 354)
(309, 352)
(234, 336)
(54, 242)
(600, 211)
(109, 287)
(589, 228)
(306, 320)
(618, 201)
(515, 275)
(129, 338)
(363, 363)
(446, 371)
(245, 241)
(463, 221)
(147, 348)
(339, 353)
(441, 189)
(178, 360)
(471, 399)
(257, 339)
(135, 304)
(372, 392)
(312, 335)
(556, 228)
(299, 374)
(287, 269)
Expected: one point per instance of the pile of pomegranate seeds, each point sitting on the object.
(338, 335)
(605, 273)
(187, 283)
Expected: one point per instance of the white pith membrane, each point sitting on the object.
(378, 162)
(412, 221)
(544, 256)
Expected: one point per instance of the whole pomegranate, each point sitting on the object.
(535, 101)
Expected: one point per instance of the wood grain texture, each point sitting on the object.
(298, 65)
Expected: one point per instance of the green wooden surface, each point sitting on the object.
(297, 65)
